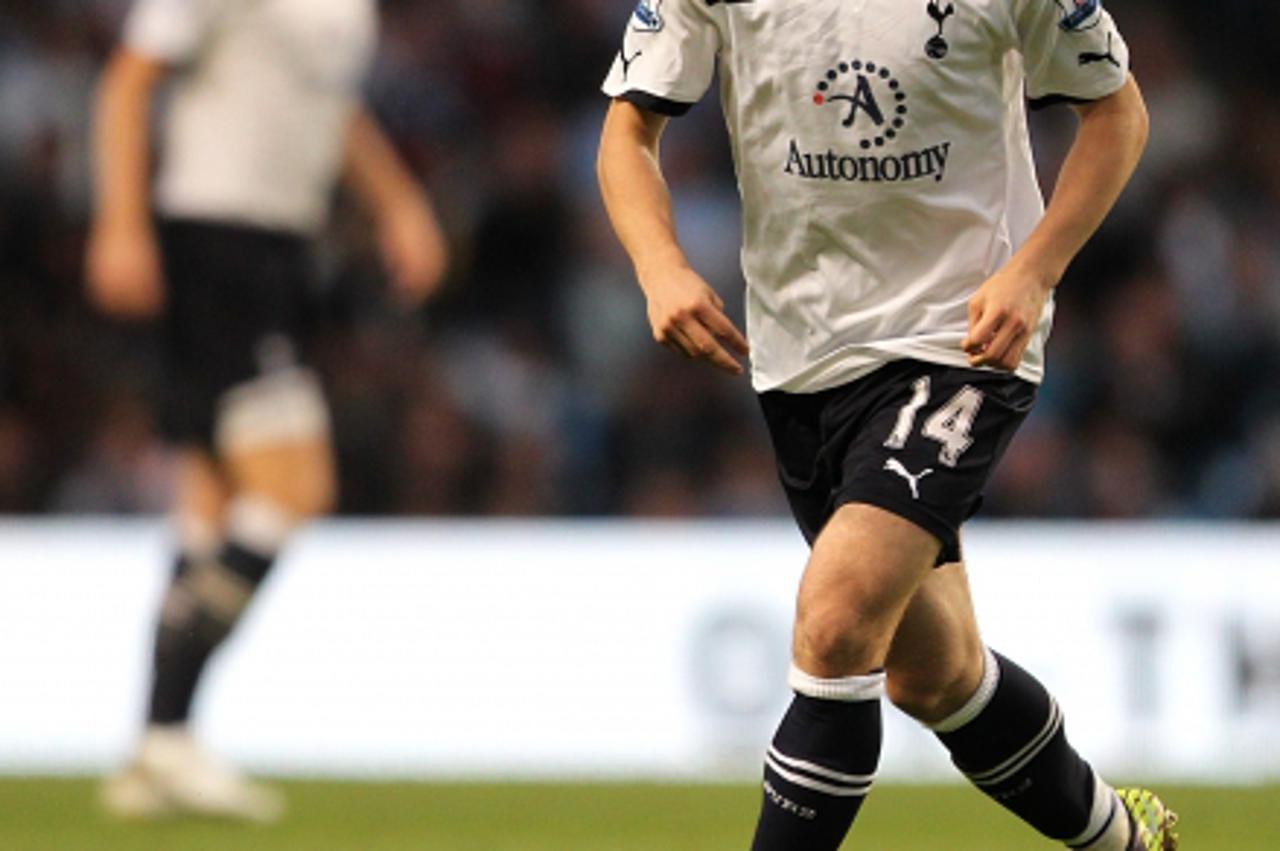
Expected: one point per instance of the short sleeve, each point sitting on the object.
(171, 31)
(668, 56)
(1071, 50)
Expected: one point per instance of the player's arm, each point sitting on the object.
(122, 261)
(1109, 140)
(409, 235)
(685, 313)
(1005, 310)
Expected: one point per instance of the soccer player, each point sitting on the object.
(900, 265)
(262, 121)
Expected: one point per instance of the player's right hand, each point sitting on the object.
(122, 269)
(413, 249)
(687, 316)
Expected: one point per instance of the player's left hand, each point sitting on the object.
(1003, 314)
(413, 250)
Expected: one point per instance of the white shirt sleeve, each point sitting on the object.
(171, 31)
(668, 56)
(1071, 50)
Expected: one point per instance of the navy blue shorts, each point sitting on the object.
(916, 439)
(239, 307)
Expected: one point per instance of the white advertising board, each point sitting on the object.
(622, 649)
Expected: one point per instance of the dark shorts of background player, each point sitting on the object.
(238, 307)
(831, 445)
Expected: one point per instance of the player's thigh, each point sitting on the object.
(298, 475)
(865, 567)
(272, 435)
(935, 661)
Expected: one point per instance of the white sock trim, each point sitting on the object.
(822, 771)
(259, 523)
(974, 705)
(1108, 828)
(861, 687)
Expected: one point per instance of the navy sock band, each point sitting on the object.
(201, 607)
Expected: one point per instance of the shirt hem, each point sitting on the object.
(851, 365)
(298, 226)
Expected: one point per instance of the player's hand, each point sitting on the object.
(686, 315)
(413, 250)
(1003, 314)
(122, 269)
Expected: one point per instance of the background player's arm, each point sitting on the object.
(409, 235)
(122, 260)
(685, 313)
(1005, 310)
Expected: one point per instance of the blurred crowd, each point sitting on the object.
(532, 386)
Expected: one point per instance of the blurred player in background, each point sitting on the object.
(900, 264)
(263, 120)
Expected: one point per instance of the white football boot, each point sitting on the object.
(172, 776)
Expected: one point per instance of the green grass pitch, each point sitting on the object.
(60, 815)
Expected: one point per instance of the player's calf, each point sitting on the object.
(931, 699)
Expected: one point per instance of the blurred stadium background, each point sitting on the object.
(532, 390)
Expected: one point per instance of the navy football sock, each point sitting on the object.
(182, 646)
(821, 764)
(204, 601)
(1010, 741)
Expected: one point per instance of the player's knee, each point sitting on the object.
(311, 495)
(318, 504)
(324, 500)
(833, 641)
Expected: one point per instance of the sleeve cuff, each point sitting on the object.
(1052, 99)
(654, 103)
(1055, 99)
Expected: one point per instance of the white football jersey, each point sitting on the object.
(882, 156)
(262, 99)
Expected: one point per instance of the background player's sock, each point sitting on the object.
(178, 654)
(1009, 740)
(821, 763)
(204, 601)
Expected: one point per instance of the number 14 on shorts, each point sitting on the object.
(949, 425)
